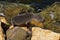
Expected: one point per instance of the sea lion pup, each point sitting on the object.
(25, 18)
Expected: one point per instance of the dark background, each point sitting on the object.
(39, 4)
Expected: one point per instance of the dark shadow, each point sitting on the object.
(5, 27)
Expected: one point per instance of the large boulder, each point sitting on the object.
(43, 34)
(17, 33)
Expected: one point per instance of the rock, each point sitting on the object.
(42, 34)
(11, 26)
(16, 33)
(2, 19)
(1, 33)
